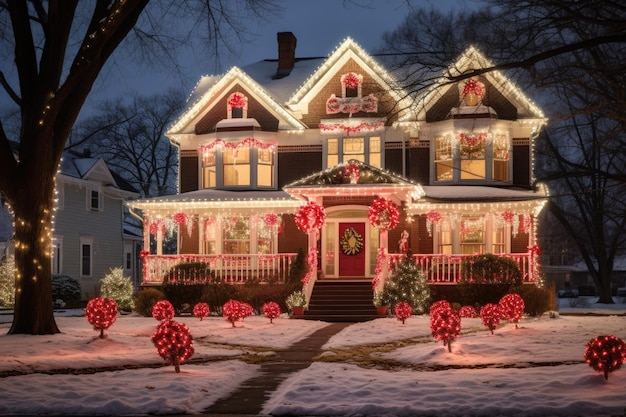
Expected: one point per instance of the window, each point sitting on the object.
(86, 256)
(471, 156)
(57, 255)
(94, 200)
(209, 178)
(236, 166)
(237, 236)
(498, 244)
(210, 236)
(472, 235)
(364, 149)
(237, 106)
(249, 163)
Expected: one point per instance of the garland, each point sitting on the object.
(472, 86)
(237, 100)
(351, 80)
(432, 216)
(351, 242)
(246, 143)
(383, 214)
(352, 171)
(472, 140)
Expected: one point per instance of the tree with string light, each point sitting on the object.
(407, 283)
(173, 342)
(605, 354)
(101, 313)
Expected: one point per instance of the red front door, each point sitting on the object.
(352, 249)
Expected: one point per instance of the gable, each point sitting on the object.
(502, 94)
(325, 81)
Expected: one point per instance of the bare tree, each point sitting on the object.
(131, 139)
(572, 56)
(55, 51)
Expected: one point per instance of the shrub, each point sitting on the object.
(146, 299)
(536, 300)
(403, 311)
(217, 294)
(605, 354)
(271, 310)
(445, 325)
(118, 287)
(407, 283)
(511, 307)
(163, 310)
(298, 268)
(468, 312)
(201, 310)
(189, 273)
(67, 289)
(7, 282)
(486, 278)
(183, 296)
(234, 310)
(296, 299)
(173, 342)
(490, 316)
(259, 294)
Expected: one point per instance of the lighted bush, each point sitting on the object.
(7, 282)
(163, 310)
(201, 310)
(403, 311)
(490, 316)
(511, 308)
(445, 325)
(296, 299)
(118, 287)
(234, 310)
(407, 283)
(146, 299)
(101, 313)
(173, 342)
(439, 305)
(605, 354)
(536, 300)
(271, 310)
(468, 312)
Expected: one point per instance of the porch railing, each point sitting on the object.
(223, 268)
(446, 269)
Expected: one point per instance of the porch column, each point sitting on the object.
(146, 234)
(159, 242)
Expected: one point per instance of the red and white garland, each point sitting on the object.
(473, 86)
(351, 80)
(381, 261)
(246, 143)
(350, 128)
(383, 214)
(471, 140)
(311, 260)
(350, 105)
(432, 217)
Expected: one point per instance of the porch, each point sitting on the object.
(440, 269)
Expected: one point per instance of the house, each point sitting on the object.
(330, 155)
(92, 232)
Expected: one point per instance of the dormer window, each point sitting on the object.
(237, 106)
(351, 100)
(351, 84)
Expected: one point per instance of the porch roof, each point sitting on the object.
(459, 198)
(214, 202)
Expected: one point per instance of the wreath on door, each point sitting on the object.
(351, 242)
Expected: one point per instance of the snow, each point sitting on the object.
(534, 370)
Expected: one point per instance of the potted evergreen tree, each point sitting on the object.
(296, 301)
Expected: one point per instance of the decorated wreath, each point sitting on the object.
(383, 214)
(351, 242)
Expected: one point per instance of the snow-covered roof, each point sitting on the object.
(479, 193)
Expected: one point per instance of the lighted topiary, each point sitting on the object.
(445, 325)
(296, 299)
(234, 311)
(118, 287)
(403, 311)
(439, 305)
(468, 312)
(173, 342)
(7, 282)
(511, 308)
(201, 310)
(605, 354)
(407, 283)
(490, 316)
(247, 309)
(101, 313)
(271, 310)
(163, 310)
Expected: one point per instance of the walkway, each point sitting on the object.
(249, 399)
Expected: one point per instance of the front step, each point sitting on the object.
(341, 301)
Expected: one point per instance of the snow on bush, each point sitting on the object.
(7, 282)
(67, 289)
(118, 287)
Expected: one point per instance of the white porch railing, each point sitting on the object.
(223, 268)
(446, 269)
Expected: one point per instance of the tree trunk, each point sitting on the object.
(33, 312)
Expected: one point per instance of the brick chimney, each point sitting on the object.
(286, 53)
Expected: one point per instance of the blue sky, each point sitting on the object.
(319, 26)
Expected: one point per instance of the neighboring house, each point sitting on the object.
(260, 141)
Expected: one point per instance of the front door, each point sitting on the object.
(352, 249)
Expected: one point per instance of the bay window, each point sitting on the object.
(366, 149)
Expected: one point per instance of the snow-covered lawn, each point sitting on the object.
(536, 370)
